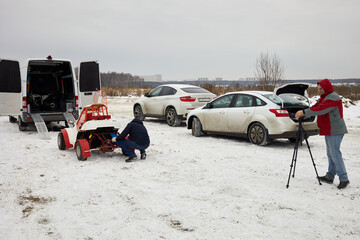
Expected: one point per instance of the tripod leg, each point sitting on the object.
(296, 147)
(295, 152)
(312, 159)
(293, 163)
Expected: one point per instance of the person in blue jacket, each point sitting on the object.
(138, 138)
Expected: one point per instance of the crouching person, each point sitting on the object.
(138, 138)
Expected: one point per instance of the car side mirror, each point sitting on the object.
(147, 94)
(208, 105)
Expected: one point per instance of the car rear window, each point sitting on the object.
(194, 90)
(288, 99)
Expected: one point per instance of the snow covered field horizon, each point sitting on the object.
(210, 187)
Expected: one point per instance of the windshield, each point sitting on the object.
(289, 99)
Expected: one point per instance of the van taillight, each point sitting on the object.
(24, 103)
(76, 101)
(280, 112)
(187, 99)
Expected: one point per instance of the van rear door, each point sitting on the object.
(10, 87)
(89, 82)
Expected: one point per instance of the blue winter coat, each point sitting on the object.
(137, 133)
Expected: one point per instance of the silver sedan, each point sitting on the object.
(260, 116)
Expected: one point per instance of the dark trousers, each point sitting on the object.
(128, 147)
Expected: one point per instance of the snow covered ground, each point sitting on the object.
(188, 188)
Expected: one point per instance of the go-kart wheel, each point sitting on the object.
(61, 141)
(82, 150)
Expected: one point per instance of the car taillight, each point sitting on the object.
(187, 99)
(280, 112)
(76, 101)
(24, 103)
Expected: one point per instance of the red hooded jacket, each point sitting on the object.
(329, 110)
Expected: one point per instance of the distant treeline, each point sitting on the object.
(251, 83)
(114, 79)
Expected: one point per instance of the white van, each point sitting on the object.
(46, 88)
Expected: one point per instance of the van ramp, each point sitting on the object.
(40, 126)
(69, 119)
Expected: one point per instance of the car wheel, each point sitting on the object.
(61, 141)
(79, 152)
(22, 125)
(172, 118)
(138, 113)
(258, 134)
(196, 127)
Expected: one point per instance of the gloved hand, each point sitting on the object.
(113, 139)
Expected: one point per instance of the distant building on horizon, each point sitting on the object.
(152, 78)
(246, 79)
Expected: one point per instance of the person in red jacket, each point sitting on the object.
(330, 121)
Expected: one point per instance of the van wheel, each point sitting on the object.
(79, 152)
(12, 119)
(61, 141)
(22, 125)
(172, 118)
(138, 113)
(196, 127)
(258, 134)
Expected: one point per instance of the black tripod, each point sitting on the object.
(300, 134)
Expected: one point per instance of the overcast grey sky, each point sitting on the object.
(187, 39)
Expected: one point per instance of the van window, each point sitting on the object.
(10, 80)
(89, 77)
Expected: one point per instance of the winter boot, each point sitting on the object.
(343, 184)
(326, 179)
(143, 155)
(131, 158)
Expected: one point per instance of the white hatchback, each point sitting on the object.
(261, 116)
(171, 102)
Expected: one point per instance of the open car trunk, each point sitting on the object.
(293, 97)
(50, 86)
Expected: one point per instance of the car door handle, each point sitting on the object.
(222, 112)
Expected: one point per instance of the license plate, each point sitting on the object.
(204, 99)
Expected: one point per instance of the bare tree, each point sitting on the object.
(268, 70)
